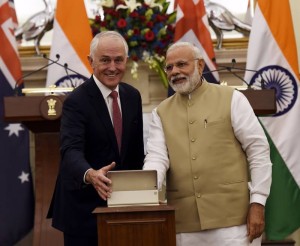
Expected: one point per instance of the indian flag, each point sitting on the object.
(70, 45)
(272, 51)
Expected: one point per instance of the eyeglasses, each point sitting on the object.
(108, 60)
(180, 64)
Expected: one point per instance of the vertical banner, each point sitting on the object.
(16, 189)
(272, 51)
(70, 44)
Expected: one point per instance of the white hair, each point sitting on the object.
(97, 39)
(197, 51)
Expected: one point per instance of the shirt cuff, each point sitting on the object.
(258, 198)
(84, 181)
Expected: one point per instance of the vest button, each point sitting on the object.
(191, 121)
(195, 177)
(193, 140)
(194, 158)
(198, 195)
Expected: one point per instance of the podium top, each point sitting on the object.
(263, 101)
(129, 209)
(37, 113)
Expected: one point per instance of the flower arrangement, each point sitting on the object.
(145, 25)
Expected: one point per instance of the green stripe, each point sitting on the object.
(283, 204)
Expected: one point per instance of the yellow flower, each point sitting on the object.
(149, 14)
(129, 33)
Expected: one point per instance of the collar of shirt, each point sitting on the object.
(105, 92)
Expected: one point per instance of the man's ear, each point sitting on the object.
(90, 59)
(200, 65)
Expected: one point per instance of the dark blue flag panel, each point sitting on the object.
(16, 188)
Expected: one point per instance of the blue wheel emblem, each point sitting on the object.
(72, 80)
(280, 79)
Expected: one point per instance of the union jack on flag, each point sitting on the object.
(17, 204)
(192, 26)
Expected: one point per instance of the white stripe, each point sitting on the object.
(179, 14)
(7, 73)
(2, 2)
(285, 132)
(261, 44)
(7, 26)
(62, 46)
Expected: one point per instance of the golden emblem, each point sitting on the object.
(51, 106)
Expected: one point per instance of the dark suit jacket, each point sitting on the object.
(88, 140)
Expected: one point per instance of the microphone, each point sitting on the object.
(16, 88)
(65, 66)
(233, 62)
(233, 67)
(68, 75)
(51, 62)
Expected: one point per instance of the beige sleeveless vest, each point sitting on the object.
(208, 175)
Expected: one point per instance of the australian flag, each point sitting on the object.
(16, 189)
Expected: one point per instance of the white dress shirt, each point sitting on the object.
(106, 92)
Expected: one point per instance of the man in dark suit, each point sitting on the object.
(89, 145)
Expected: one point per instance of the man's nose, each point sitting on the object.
(112, 65)
(175, 70)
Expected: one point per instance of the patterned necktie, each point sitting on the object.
(117, 118)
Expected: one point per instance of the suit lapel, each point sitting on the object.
(100, 106)
(126, 120)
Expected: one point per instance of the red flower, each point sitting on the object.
(134, 14)
(122, 23)
(134, 57)
(170, 28)
(142, 18)
(97, 19)
(103, 24)
(108, 11)
(149, 35)
(149, 24)
(136, 31)
(160, 18)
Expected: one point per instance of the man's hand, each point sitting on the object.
(99, 180)
(255, 221)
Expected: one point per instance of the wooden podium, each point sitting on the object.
(263, 102)
(30, 110)
(136, 225)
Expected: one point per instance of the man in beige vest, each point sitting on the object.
(217, 156)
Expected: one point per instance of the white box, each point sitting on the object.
(133, 187)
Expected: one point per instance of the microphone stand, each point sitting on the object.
(262, 101)
(229, 69)
(16, 89)
(65, 66)
(68, 75)
(51, 62)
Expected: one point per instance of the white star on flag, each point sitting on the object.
(24, 177)
(14, 129)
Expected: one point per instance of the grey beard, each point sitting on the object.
(189, 86)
